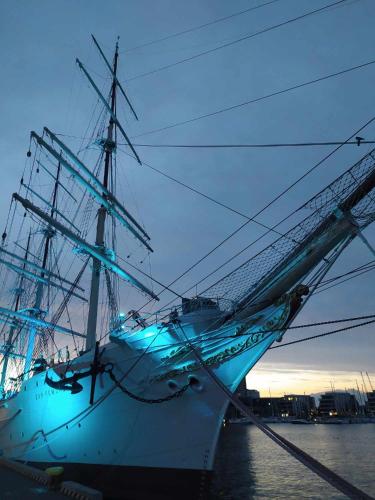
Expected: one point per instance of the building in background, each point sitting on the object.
(247, 396)
(290, 405)
(302, 406)
(298, 406)
(266, 407)
(338, 404)
(370, 405)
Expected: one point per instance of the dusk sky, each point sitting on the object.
(42, 86)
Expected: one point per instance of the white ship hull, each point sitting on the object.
(174, 439)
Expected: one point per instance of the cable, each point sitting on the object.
(358, 142)
(324, 289)
(367, 267)
(239, 146)
(233, 233)
(210, 336)
(314, 167)
(206, 196)
(233, 42)
(196, 28)
(339, 330)
(164, 287)
(323, 472)
(257, 99)
(370, 317)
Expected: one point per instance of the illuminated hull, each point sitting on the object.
(42, 425)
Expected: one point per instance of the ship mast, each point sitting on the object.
(108, 204)
(9, 344)
(109, 145)
(37, 312)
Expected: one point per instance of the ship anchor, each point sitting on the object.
(71, 383)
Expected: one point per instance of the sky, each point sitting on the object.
(41, 85)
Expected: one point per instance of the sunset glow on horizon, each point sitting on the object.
(279, 379)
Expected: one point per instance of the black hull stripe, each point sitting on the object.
(137, 483)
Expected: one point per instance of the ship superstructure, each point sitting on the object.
(133, 396)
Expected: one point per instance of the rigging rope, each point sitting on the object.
(358, 142)
(256, 99)
(56, 317)
(270, 203)
(211, 336)
(210, 198)
(309, 325)
(364, 267)
(164, 287)
(238, 40)
(196, 28)
(339, 330)
(314, 465)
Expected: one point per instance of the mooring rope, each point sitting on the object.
(311, 463)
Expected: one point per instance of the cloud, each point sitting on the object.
(287, 378)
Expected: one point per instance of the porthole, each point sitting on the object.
(172, 385)
(195, 383)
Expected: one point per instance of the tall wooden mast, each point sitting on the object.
(109, 145)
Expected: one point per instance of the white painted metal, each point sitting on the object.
(56, 426)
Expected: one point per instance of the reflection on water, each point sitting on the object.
(250, 466)
(234, 471)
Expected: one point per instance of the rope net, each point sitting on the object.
(240, 283)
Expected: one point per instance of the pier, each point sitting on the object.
(19, 481)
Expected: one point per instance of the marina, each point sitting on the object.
(264, 471)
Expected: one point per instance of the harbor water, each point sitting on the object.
(251, 466)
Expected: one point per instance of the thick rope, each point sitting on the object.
(314, 465)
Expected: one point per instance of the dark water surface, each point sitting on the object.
(251, 466)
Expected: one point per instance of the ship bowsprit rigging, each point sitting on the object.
(337, 214)
(245, 301)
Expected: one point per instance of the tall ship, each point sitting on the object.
(133, 402)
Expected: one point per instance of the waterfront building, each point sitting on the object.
(290, 405)
(338, 404)
(247, 396)
(252, 394)
(370, 405)
(297, 405)
(266, 407)
(242, 389)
